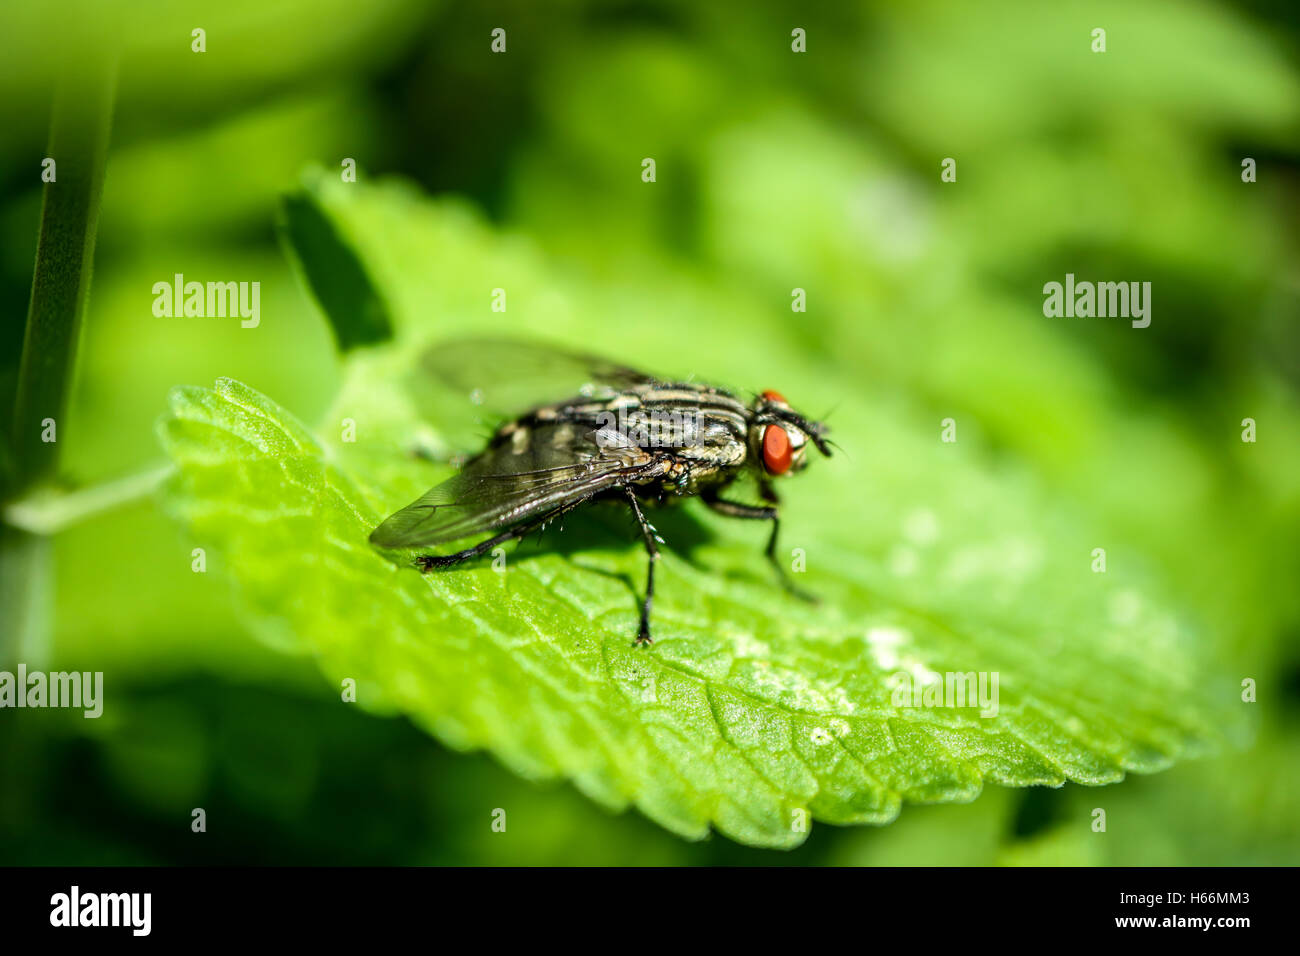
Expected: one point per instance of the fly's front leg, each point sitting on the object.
(762, 513)
(652, 551)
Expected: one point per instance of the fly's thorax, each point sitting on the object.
(677, 475)
(689, 421)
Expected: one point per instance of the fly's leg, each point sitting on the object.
(763, 513)
(768, 494)
(652, 551)
(427, 562)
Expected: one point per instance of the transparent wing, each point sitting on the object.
(501, 378)
(515, 481)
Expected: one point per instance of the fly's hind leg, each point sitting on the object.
(763, 513)
(429, 562)
(652, 552)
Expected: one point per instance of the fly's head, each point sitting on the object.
(779, 436)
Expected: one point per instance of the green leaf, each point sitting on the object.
(752, 711)
(338, 281)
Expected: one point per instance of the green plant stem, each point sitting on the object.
(61, 283)
(49, 511)
(79, 132)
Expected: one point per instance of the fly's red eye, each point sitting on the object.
(777, 453)
(772, 395)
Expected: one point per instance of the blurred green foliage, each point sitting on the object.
(775, 171)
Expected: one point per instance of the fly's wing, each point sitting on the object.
(528, 476)
(497, 379)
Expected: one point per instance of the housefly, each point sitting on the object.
(581, 429)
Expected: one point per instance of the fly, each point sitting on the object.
(618, 435)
